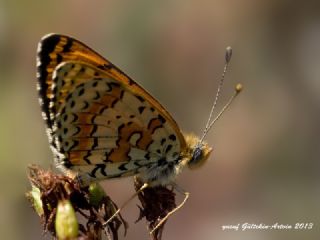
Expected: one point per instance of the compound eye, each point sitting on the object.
(197, 154)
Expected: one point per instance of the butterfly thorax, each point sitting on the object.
(194, 155)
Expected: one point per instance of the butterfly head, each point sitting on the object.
(198, 152)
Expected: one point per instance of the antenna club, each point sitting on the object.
(228, 54)
(238, 88)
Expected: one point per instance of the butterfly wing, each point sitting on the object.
(99, 121)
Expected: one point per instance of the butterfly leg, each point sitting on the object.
(186, 196)
(144, 186)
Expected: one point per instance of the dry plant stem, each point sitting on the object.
(126, 203)
(187, 194)
(156, 203)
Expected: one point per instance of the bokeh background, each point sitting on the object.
(265, 165)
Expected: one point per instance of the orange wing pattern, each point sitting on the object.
(99, 121)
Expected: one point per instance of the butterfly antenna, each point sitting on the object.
(228, 56)
(238, 89)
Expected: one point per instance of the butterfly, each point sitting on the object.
(101, 124)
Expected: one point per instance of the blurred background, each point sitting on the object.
(265, 165)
